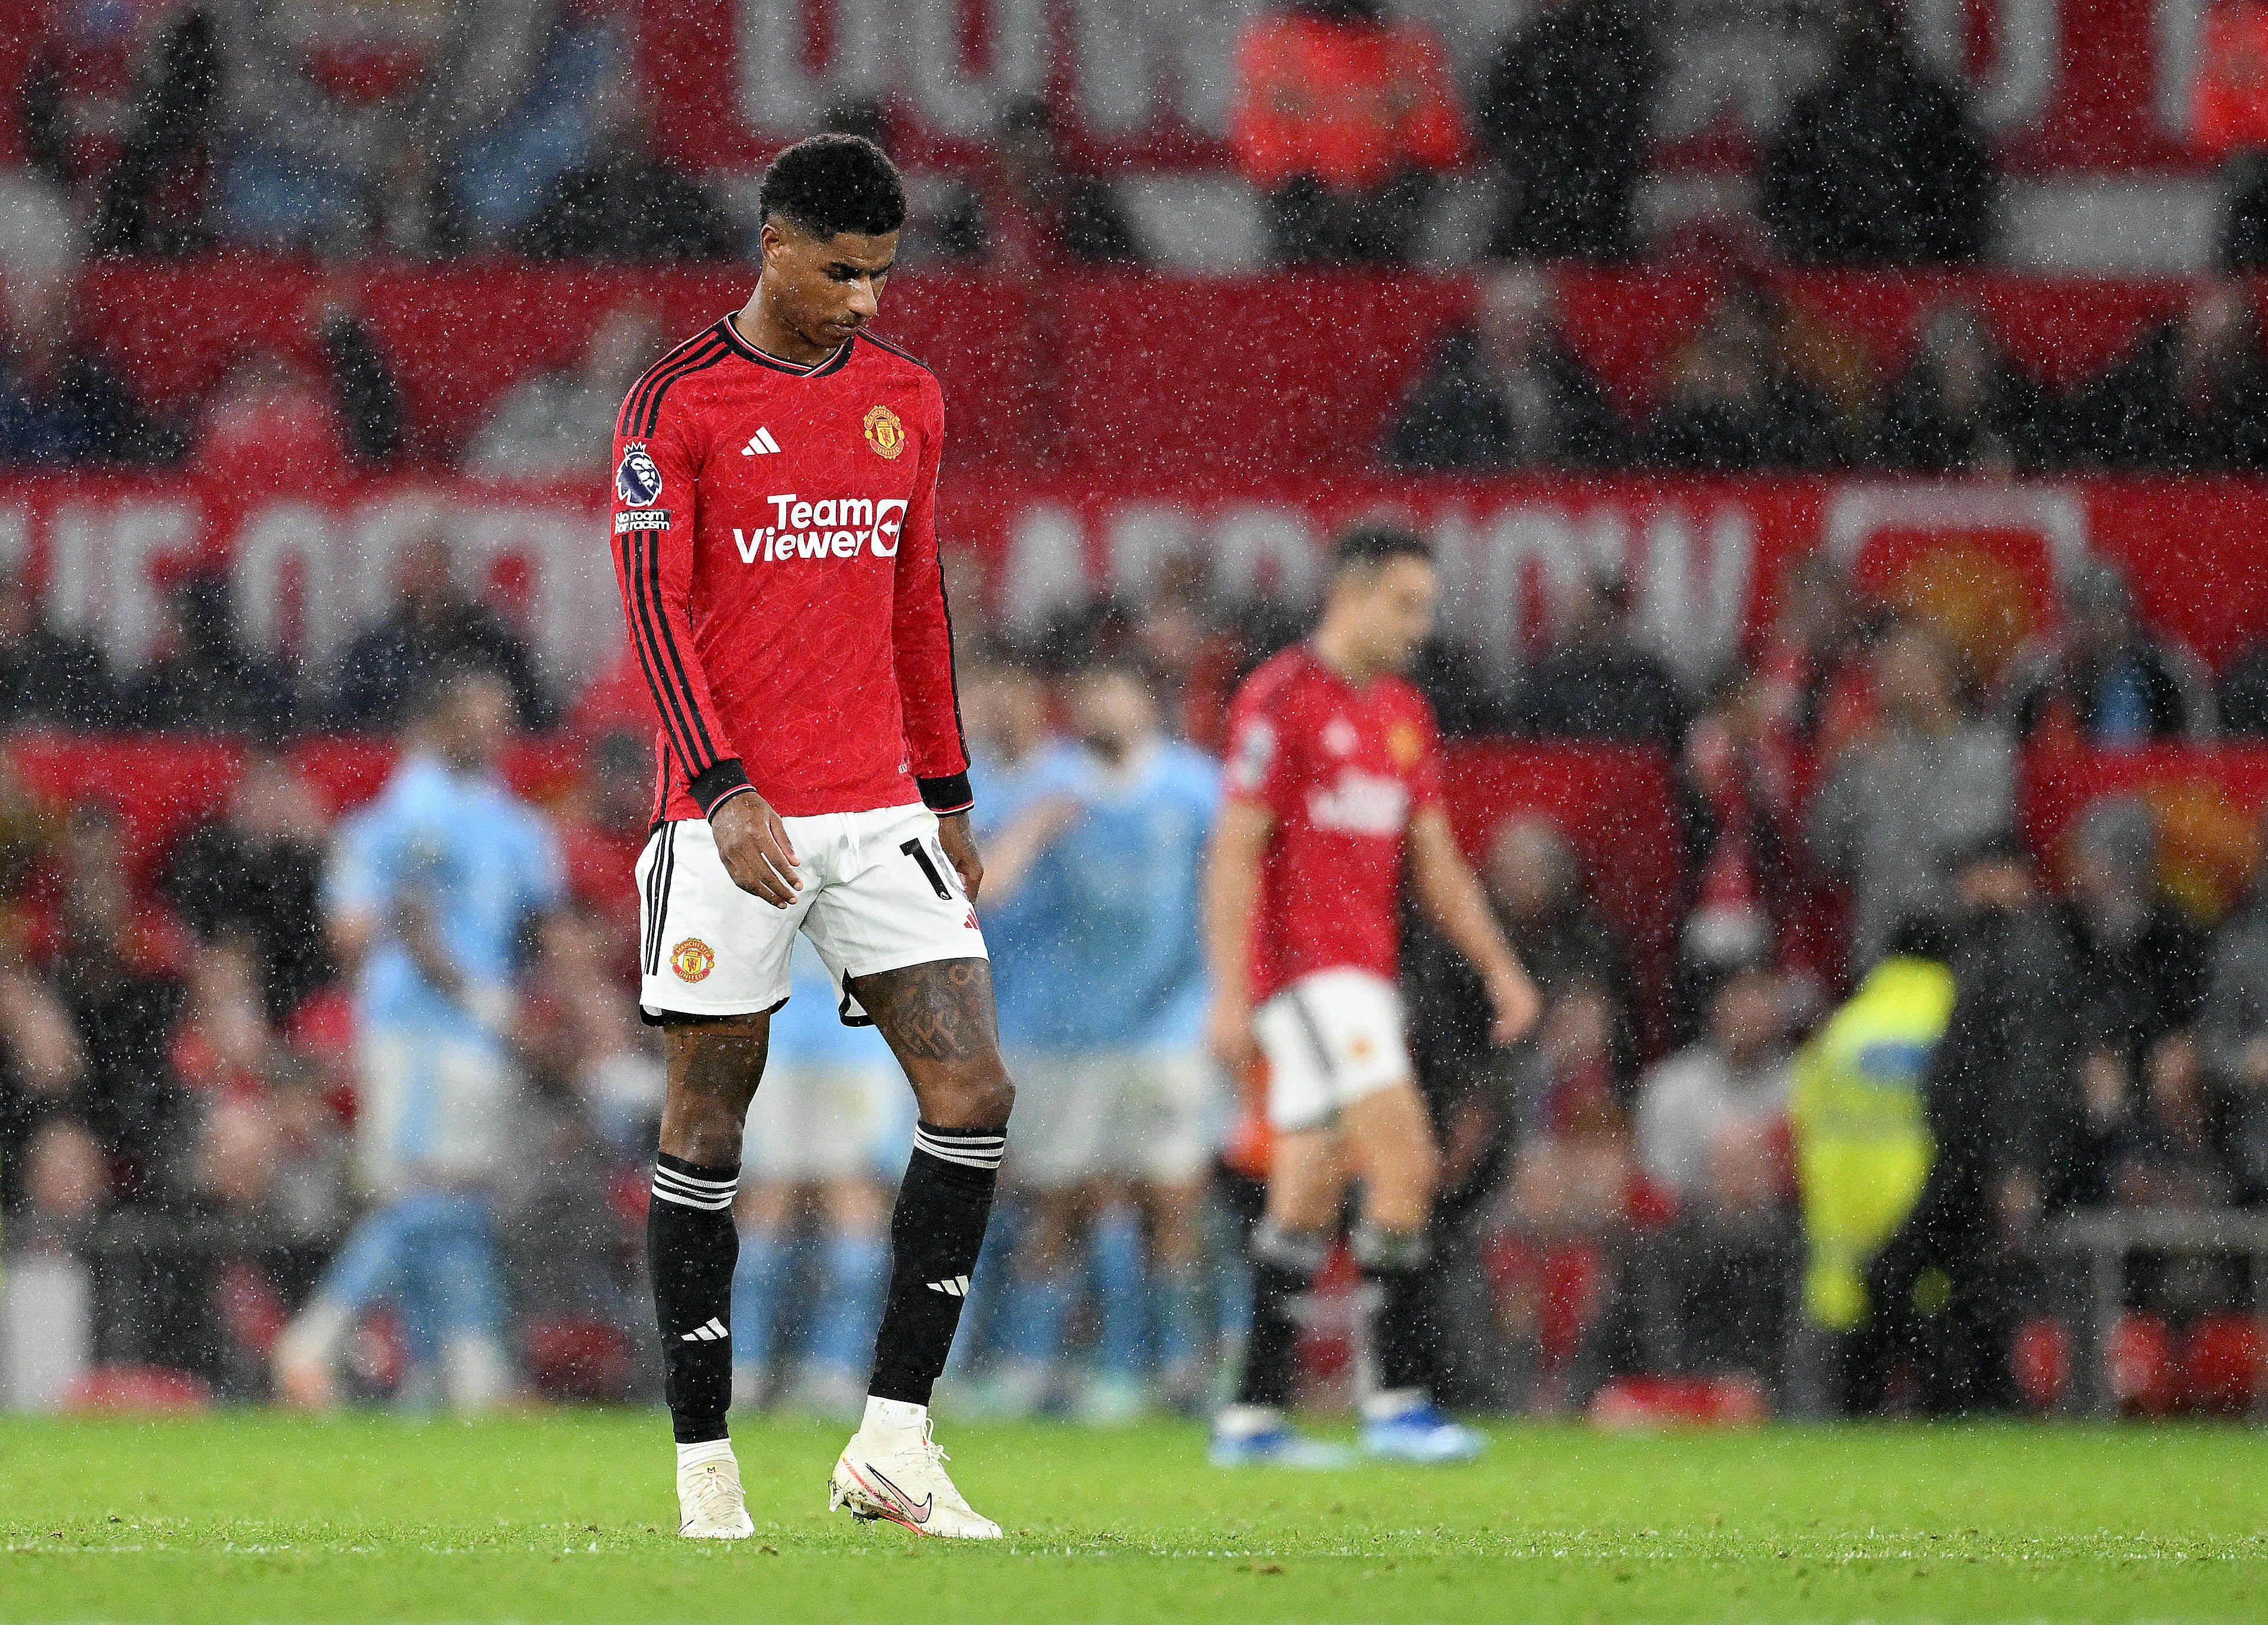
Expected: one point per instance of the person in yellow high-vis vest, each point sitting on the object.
(1858, 1118)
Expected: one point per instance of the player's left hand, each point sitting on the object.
(961, 847)
(1517, 1005)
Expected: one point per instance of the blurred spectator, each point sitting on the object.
(1599, 682)
(2243, 698)
(329, 106)
(156, 198)
(200, 677)
(2232, 1035)
(43, 1075)
(1023, 212)
(2106, 680)
(1751, 873)
(432, 890)
(2192, 396)
(255, 872)
(2138, 981)
(60, 405)
(1342, 118)
(1565, 117)
(47, 676)
(1733, 404)
(1811, 662)
(1928, 780)
(627, 203)
(269, 411)
(122, 1007)
(579, 1036)
(1535, 883)
(559, 424)
(433, 623)
(2228, 124)
(1962, 407)
(1706, 1117)
(1879, 164)
(604, 831)
(368, 398)
(2167, 1150)
(1506, 393)
(224, 1047)
(1863, 1151)
(2002, 1099)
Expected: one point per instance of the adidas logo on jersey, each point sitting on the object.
(958, 1287)
(714, 1332)
(759, 443)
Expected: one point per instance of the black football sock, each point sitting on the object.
(1284, 1264)
(1403, 1334)
(936, 1232)
(691, 1247)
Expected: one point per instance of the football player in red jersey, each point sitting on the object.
(775, 539)
(1334, 781)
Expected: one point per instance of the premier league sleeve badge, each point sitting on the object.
(638, 480)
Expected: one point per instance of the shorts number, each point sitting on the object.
(920, 854)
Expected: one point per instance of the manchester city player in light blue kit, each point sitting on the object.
(431, 888)
(1122, 1109)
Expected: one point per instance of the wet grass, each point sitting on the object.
(567, 1517)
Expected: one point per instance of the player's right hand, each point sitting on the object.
(1231, 1036)
(752, 843)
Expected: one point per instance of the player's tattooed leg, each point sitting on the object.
(938, 1020)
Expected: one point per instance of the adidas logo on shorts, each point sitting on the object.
(714, 1332)
(958, 1287)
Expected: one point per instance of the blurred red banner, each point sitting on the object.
(312, 556)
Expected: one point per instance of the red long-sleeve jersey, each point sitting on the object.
(775, 537)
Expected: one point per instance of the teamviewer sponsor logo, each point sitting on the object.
(1362, 804)
(838, 527)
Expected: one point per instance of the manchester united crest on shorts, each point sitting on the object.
(692, 960)
(884, 432)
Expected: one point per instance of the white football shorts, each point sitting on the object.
(878, 894)
(1330, 1039)
(1154, 1114)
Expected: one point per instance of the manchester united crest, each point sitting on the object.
(692, 960)
(1404, 744)
(884, 432)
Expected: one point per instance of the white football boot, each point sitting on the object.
(710, 1506)
(893, 1468)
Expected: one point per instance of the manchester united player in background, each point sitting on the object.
(776, 541)
(1334, 774)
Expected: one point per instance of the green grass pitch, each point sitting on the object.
(566, 1516)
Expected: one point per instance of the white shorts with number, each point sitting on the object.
(878, 894)
(825, 1121)
(1330, 1039)
(1147, 1115)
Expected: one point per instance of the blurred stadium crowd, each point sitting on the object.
(1624, 1215)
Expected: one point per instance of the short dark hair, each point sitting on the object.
(1920, 936)
(1367, 546)
(833, 183)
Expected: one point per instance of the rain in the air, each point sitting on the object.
(1232, 810)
